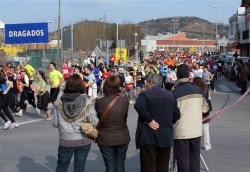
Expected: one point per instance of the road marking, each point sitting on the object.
(223, 87)
(27, 122)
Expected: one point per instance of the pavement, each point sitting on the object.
(32, 147)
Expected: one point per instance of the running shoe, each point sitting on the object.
(38, 111)
(20, 113)
(14, 125)
(7, 125)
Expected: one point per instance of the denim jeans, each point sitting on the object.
(114, 157)
(65, 155)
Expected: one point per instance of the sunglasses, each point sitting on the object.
(22, 71)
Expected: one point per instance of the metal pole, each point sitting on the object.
(216, 32)
(72, 41)
(62, 53)
(58, 31)
(44, 60)
(117, 22)
(203, 37)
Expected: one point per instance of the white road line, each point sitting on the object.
(223, 87)
(27, 122)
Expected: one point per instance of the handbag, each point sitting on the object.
(88, 128)
(205, 107)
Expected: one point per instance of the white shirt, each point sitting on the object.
(128, 79)
(198, 73)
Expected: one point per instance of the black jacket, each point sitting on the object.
(161, 106)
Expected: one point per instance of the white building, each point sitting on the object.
(239, 30)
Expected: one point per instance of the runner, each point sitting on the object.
(56, 79)
(43, 97)
(26, 94)
(5, 96)
(66, 71)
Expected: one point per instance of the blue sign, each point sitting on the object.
(26, 33)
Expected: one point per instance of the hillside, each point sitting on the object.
(87, 34)
(185, 24)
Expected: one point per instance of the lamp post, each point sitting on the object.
(203, 33)
(117, 23)
(135, 42)
(129, 37)
(174, 29)
(216, 38)
(58, 34)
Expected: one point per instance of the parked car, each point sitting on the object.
(231, 71)
(227, 62)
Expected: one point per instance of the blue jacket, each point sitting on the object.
(161, 106)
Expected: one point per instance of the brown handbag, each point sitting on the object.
(92, 131)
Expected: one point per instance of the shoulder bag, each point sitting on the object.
(88, 128)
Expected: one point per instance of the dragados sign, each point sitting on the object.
(26, 33)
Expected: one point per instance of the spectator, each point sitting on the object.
(158, 111)
(205, 126)
(113, 137)
(188, 130)
(68, 118)
(244, 78)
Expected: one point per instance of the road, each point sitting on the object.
(32, 147)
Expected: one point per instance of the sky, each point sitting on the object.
(133, 11)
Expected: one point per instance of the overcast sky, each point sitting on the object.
(24, 11)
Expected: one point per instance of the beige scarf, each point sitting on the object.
(180, 81)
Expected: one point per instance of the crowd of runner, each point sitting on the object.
(132, 76)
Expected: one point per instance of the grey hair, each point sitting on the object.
(155, 79)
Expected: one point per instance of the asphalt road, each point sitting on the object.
(32, 147)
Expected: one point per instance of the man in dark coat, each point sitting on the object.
(158, 112)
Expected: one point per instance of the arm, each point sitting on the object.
(55, 118)
(9, 84)
(33, 72)
(26, 79)
(93, 116)
(177, 113)
(140, 107)
(174, 77)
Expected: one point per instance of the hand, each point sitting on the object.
(5, 92)
(154, 125)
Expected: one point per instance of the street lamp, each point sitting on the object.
(135, 42)
(129, 37)
(174, 29)
(216, 26)
(203, 32)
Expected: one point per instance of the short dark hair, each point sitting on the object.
(112, 85)
(79, 68)
(53, 64)
(183, 71)
(12, 67)
(74, 84)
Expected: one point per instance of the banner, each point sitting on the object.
(26, 33)
(121, 53)
(222, 110)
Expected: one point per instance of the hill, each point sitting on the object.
(185, 24)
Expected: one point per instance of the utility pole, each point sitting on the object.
(174, 29)
(117, 23)
(58, 34)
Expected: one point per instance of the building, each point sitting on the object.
(176, 42)
(239, 35)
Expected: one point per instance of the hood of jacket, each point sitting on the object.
(73, 104)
